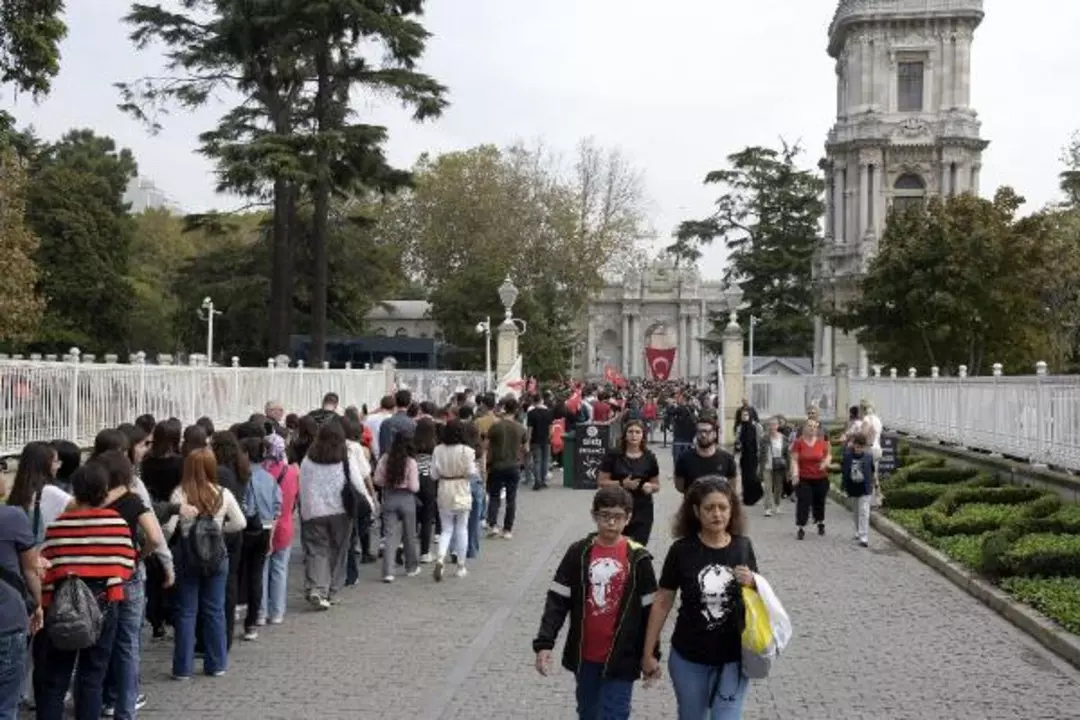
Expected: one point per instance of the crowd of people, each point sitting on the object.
(190, 530)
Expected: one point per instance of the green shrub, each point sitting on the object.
(1057, 598)
(970, 519)
(965, 549)
(941, 475)
(902, 475)
(913, 497)
(1044, 554)
(954, 497)
(1045, 506)
(994, 547)
(1065, 521)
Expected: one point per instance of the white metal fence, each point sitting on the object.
(791, 395)
(438, 386)
(1034, 417)
(71, 400)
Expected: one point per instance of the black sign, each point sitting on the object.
(590, 445)
(890, 454)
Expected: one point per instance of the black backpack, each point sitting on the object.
(204, 547)
(74, 619)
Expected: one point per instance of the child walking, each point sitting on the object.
(858, 483)
(606, 583)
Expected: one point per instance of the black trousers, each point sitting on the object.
(158, 607)
(427, 513)
(249, 574)
(810, 495)
(640, 526)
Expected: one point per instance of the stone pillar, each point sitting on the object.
(389, 368)
(975, 170)
(625, 369)
(733, 376)
(864, 200)
(839, 180)
(830, 183)
(590, 348)
(506, 349)
(866, 48)
(947, 59)
(827, 342)
(964, 74)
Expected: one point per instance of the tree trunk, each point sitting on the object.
(321, 209)
(281, 261)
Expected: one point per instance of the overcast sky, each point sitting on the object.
(677, 85)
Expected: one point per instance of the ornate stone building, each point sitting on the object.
(904, 130)
(663, 307)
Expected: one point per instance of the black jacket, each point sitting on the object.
(567, 595)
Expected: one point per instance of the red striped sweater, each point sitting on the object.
(93, 544)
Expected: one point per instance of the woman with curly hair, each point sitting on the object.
(706, 564)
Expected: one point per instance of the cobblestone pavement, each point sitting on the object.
(877, 635)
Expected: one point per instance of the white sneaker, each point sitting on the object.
(388, 578)
(427, 558)
(462, 571)
(768, 513)
(507, 535)
(251, 634)
(413, 573)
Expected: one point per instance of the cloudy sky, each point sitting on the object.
(677, 85)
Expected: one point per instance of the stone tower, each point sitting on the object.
(904, 130)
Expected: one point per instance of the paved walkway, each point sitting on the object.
(877, 635)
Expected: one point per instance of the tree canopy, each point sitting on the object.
(768, 219)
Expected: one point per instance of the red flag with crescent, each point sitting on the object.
(660, 362)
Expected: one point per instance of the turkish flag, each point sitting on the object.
(610, 374)
(660, 362)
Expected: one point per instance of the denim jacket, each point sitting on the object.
(263, 497)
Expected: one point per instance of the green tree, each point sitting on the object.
(75, 206)
(951, 286)
(30, 35)
(247, 48)
(374, 46)
(1058, 283)
(473, 217)
(1070, 177)
(768, 218)
(20, 304)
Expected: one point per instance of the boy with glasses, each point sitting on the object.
(606, 583)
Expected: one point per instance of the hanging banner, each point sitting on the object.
(660, 362)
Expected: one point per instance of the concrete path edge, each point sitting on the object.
(1044, 630)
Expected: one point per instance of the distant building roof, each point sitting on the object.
(796, 365)
(401, 310)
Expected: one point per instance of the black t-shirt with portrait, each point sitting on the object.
(131, 507)
(692, 466)
(708, 628)
(620, 467)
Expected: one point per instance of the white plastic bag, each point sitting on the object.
(757, 666)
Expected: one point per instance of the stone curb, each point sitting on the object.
(1050, 635)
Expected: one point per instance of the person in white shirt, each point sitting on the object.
(871, 427)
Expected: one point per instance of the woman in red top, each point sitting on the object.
(811, 457)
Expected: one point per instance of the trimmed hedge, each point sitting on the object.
(971, 519)
(941, 475)
(913, 497)
(1057, 597)
(1043, 554)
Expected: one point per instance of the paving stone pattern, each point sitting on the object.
(877, 635)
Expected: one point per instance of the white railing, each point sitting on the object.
(438, 386)
(42, 400)
(791, 395)
(1034, 417)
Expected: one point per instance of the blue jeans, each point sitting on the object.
(476, 514)
(599, 698)
(53, 668)
(204, 597)
(13, 658)
(122, 681)
(704, 691)
(678, 448)
(541, 461)
(275, 584)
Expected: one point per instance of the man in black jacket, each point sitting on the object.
(606, 583)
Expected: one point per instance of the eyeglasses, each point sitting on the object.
(608, 517)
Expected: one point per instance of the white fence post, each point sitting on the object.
(74, 354)
(140, 399)
(236, 407)
(961, 399)
(1043, 416)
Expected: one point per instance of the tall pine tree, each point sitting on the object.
(768, 218)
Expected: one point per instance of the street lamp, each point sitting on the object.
(753, 322)
(208, 318)
(484, 328)
(508, 295)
